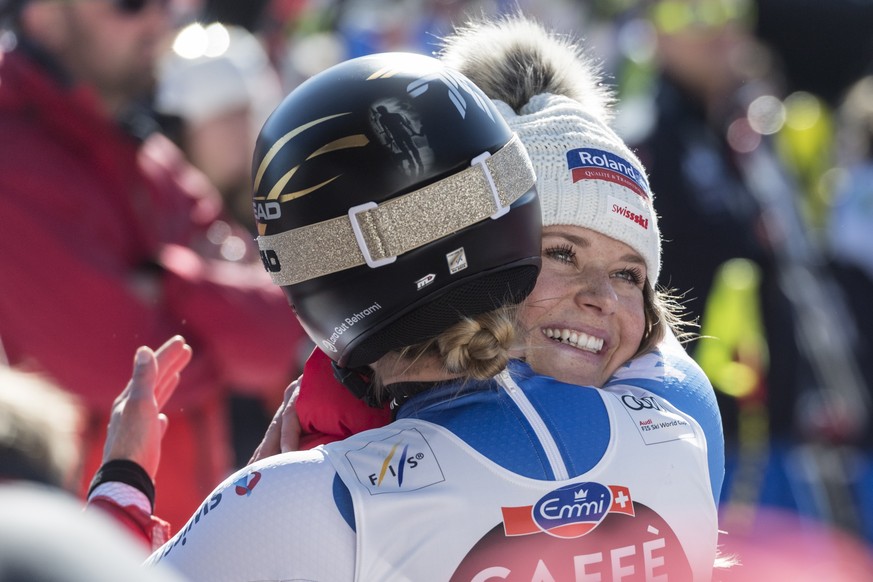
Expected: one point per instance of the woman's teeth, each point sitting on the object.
(577, 339)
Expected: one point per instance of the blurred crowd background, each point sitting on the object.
(754, 119)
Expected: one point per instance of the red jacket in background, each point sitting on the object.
(108, 243)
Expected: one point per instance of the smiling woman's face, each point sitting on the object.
(585, 317)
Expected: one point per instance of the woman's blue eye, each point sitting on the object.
(562, 253)
(631, 275)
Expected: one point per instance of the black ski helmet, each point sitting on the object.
(392, 199)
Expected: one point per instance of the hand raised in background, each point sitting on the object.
(137, 425)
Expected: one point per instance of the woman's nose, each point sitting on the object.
(596, 292)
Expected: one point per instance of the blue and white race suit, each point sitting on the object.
(517, 478)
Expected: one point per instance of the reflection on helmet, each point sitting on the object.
(391, 200)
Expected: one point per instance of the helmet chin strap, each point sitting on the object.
(359, 382)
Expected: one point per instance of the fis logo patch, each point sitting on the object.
(568, 512)
(401, 462)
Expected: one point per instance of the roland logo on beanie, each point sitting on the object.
(586, 175)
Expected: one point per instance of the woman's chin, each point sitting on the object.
(570, 365)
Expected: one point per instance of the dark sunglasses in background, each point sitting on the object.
(136, 6)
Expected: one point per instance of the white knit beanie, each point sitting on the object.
(586, 175)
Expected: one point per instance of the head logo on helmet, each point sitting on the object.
(366, 178)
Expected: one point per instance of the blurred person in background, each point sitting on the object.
(850, 243)
(40, 426)
(215, 88)
(776, 340)
(39, 453)
(112, 240)
(706, 66)
(850, 223)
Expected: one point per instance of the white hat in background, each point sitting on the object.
(214, 70)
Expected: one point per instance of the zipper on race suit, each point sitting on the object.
(544, 435)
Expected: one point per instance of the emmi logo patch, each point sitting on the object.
(568, 512)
